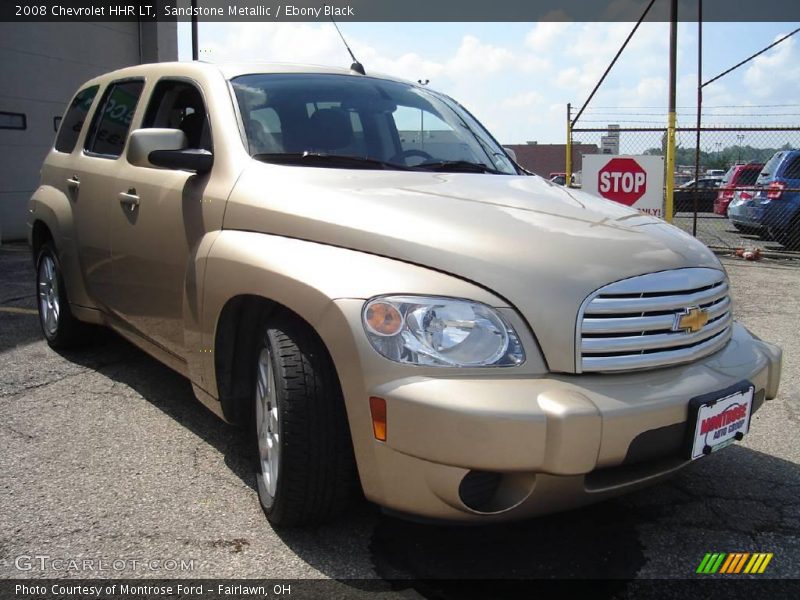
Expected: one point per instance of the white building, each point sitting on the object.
(41, 67)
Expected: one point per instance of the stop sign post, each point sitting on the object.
(635, 181)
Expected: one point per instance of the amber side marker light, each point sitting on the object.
(377, 406)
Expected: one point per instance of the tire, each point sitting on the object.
(305, 470)
(60, 328)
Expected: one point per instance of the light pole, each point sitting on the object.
(740, 139)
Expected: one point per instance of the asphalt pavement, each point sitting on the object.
(108, 457)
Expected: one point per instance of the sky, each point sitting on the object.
(517, 78)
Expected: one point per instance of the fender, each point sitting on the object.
(53, 208)
(326, 286)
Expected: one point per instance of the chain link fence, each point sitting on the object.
(746, 193)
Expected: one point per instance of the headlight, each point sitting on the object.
(445, 332)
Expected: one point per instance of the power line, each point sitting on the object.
(746, 60)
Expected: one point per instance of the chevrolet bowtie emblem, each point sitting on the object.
(690, 320)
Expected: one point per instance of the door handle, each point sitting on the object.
(129, 199)
(73, 182)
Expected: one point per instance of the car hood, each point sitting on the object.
(539, 246)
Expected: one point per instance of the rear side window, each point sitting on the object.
(72, 123)
(747, 177)
(792, 170)
(729, 176)
(113, 119)
(768, 171)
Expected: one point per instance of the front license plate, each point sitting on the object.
(720, 421)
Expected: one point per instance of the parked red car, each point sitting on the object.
(738, 176)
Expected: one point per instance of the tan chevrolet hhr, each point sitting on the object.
(354, 269)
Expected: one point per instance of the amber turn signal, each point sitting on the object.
(377, 406)
(383, 318)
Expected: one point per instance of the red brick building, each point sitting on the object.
(544, 159)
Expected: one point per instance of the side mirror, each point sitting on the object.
(511, 153)
(144, 141)
(191, 159)
(166, 148)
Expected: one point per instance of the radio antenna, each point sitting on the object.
(356, 66)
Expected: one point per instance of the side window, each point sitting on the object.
(72, 123)
(792, 170)
(424, 131)
(177, 104)
(113, 118)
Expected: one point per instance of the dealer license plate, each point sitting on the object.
(720, 421)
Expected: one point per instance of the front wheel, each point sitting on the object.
(306, 470)
(60, 328)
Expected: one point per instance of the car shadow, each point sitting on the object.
(168, 391)
(743, 496)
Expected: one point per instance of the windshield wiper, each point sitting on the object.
(457, 166)
(328, 160)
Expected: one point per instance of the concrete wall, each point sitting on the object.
(41, 67)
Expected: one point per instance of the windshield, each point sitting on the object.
(389, 124)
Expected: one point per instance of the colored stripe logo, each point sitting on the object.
(734, 563)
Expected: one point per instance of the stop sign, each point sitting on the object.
(622, 180)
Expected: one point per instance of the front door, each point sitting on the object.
(157, 222)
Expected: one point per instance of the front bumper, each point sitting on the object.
(505, 447)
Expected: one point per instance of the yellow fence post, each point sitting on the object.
(669, 168)
(568, 167)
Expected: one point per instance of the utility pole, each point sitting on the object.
(195, 44)
(673, 64)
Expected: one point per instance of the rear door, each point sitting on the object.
(97, 169)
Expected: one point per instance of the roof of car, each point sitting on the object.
(231, 70)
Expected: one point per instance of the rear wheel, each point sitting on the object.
(61, 329)
(306, 470)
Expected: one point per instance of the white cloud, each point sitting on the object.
(524, 100)
(547, 36)
(775, 73)
(476, 58)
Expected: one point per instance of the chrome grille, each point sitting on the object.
(635, 323)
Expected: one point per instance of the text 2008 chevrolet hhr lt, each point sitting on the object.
(352, 268)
